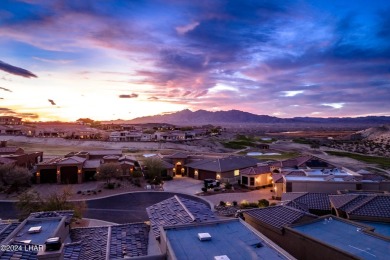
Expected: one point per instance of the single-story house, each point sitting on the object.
(226, 169)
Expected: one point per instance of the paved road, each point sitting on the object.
(124, 208)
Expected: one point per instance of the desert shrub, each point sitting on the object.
(228, 186)
(263, 203)
(110, 186)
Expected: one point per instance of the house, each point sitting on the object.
(77, 167)
(223, 239)
(6, 150)
(18, 156)
(306, 236)
(226, 169)
(312, 174)
(10, 120)
(330, 184)
(178, 160)
(258, 176)
(301, 162)
(331, 237)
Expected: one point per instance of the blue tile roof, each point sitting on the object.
(129, 240)
(177, 210)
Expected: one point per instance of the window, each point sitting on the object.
(236, 172)
(252, 181)
(244, 180)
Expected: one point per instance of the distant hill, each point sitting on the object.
(377, 134)
(201, 117)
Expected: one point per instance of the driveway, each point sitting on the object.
(184, 185)
(191, 186)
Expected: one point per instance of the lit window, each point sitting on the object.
(236, 172)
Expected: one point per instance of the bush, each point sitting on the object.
(235, 203)
(263, 203)
(110, 186)
(168, 178)
(222, 203)
(228, 186)
(204, 189)
(137, 182)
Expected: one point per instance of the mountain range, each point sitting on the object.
(201, 117)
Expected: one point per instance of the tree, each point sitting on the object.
(14, 177)
(29, 202)
(17, 176)
(108, 171)
(154, 167)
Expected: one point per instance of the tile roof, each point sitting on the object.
(93, 242)
(166, 164)
(368, 205)
(295, 173)
(224, 164)
(177, 210)
(277, 178)
(72, 251)
(297, 161)
(91, 164)
(278, 216)
(4, 233)
(129, 240)
(262, 169)
(72, 160)
(315, 201)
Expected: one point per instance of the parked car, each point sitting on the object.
(211, 183)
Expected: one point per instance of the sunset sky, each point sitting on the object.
(63, 60)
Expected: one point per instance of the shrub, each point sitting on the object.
(137, 182)
(222, 203)
(263, 203)
(204, 189)
(235, 203)
(228, 186)
(110, 186)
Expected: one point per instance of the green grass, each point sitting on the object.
(238, 144)
(383, 162)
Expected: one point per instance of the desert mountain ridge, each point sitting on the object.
(201, 117)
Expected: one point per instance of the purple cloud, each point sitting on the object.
(16, 70)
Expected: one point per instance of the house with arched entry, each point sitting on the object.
(178, 160)
(81, 166)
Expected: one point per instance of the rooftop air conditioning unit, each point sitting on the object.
(36, 229)
(204, 236)
(221, 257)
(53, 244)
